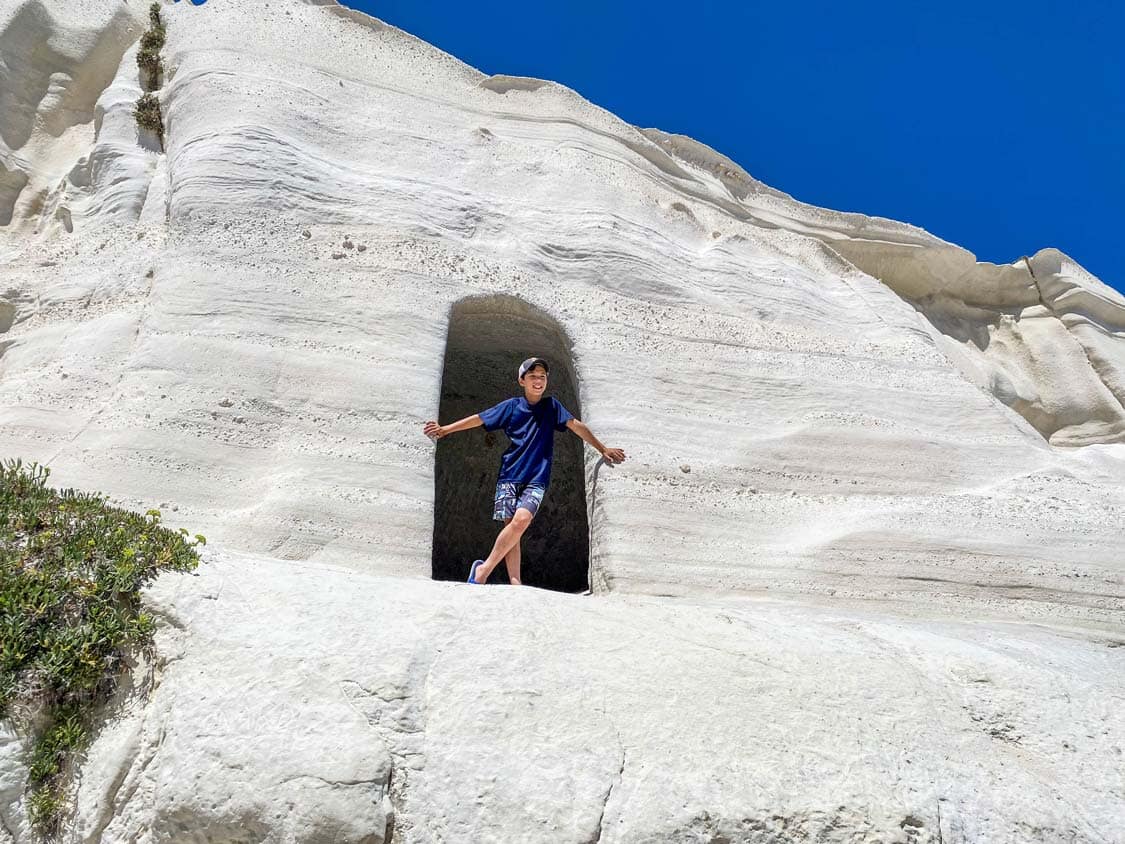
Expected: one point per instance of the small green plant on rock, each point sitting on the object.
(154, 18)
(149, 62)
(152, 41)
(147, 110)
(147, 113)
(71, 571)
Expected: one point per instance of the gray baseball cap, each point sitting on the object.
(529, 363)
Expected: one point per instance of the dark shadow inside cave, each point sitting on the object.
(488, 337)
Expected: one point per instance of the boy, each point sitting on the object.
(530, 421)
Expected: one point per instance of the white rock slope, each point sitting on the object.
(864, 469)
(306, 703)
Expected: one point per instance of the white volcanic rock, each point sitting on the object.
(57, 62)
(841, 444)
(311, 703)
(876, 426)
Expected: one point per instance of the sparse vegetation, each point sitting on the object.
(147, 111)
(149, 62)
(152, 41)
(71, 571)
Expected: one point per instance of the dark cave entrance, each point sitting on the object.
(488, 337)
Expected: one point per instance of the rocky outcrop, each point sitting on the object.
(308, 703)
(57, 61)
(915, 457)
(847, 436)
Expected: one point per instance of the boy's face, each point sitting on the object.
(534, 381)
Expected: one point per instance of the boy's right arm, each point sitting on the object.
(436, 431)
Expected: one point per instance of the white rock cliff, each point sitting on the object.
(862, 577)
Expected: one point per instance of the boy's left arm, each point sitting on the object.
(611, 455)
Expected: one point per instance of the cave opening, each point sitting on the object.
(488, 337)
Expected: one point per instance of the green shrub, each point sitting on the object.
(71, 571)
(152, 41)
(147, 114)
(44, 807)
(149, 61)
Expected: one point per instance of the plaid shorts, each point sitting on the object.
(511, 496)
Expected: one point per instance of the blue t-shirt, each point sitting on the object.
(531, 428)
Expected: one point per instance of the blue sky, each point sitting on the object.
(999, 126)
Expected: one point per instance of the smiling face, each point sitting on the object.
(534, 383)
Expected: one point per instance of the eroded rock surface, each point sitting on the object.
(922, 454)
(309, 703)
(848, 437)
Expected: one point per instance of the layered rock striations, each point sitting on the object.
(872, 455)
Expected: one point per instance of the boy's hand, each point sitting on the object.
(433, 430)
(613, 455)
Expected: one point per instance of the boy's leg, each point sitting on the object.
(509, 536)
(512, 561)
(526, 500)
(507, 497)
